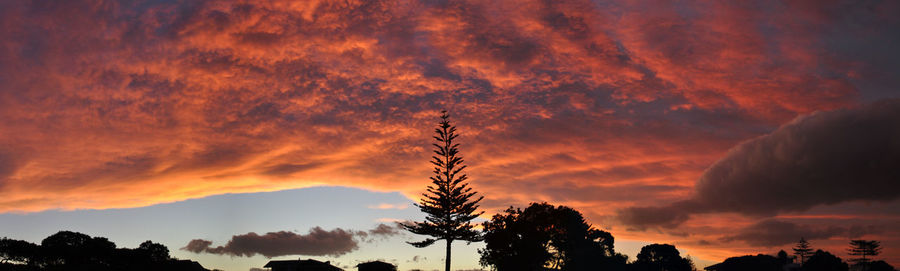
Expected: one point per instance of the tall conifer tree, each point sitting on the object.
(802, 250)
(864, 248)
(449, 203)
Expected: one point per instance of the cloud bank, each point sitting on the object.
(772, 232)
(600, 105)
(143, 102)
(823, 158)
(317, 242)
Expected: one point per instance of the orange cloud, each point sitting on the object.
(597, 105)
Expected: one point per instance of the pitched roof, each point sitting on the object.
(309, 264)
(376, 265)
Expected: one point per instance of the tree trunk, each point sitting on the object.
(447, 260)
(864, 262)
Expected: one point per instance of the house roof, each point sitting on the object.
(309, 264)
(375, 263)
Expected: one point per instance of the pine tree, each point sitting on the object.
(863, 248)
(448, 202)
(802, 250)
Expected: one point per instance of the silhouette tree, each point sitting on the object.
(73, 251)
(544, 236)
(660, 257)
(153, 251)
(759, 262)
(77, 250)
(802, 250)
(863, 248)
(783, 258)
(515, 241)
(17, 251)
(880, 266)
(824, 261)
(448, 203)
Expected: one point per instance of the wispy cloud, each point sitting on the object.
(384, 206)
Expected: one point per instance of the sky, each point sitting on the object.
(725, 128)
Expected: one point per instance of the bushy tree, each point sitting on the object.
(17, 251)
(515, 241)
(67, 248)
(73, 251)
(543, 237)
(824, 261)
(880, 266)
(783, 258)
(153, 251)
(449, 203)
(660, 257)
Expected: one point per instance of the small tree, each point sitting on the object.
(154, 251)
(17, 251)
(802, 250)
(783, 258)
(824, 261)
(863, 248)
(448, 202)
(661, 257)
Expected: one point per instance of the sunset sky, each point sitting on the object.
(725, 128)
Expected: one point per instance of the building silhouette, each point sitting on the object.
(301, 265)
(376, 266)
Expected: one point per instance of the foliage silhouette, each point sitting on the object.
(818, 261)
(863, 248)
(68, 250)
(783, 258)
(880, 266)
(448, 203)
(17, 251)
(660, 257)
(153, 251)
(759, 262)
(544, 236)
(824, 261)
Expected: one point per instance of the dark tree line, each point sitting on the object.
(547, 237)
(807, 260)
(68, 250)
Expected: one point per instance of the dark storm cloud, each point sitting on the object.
(819, 159)
(771, 232)
(317, 242)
